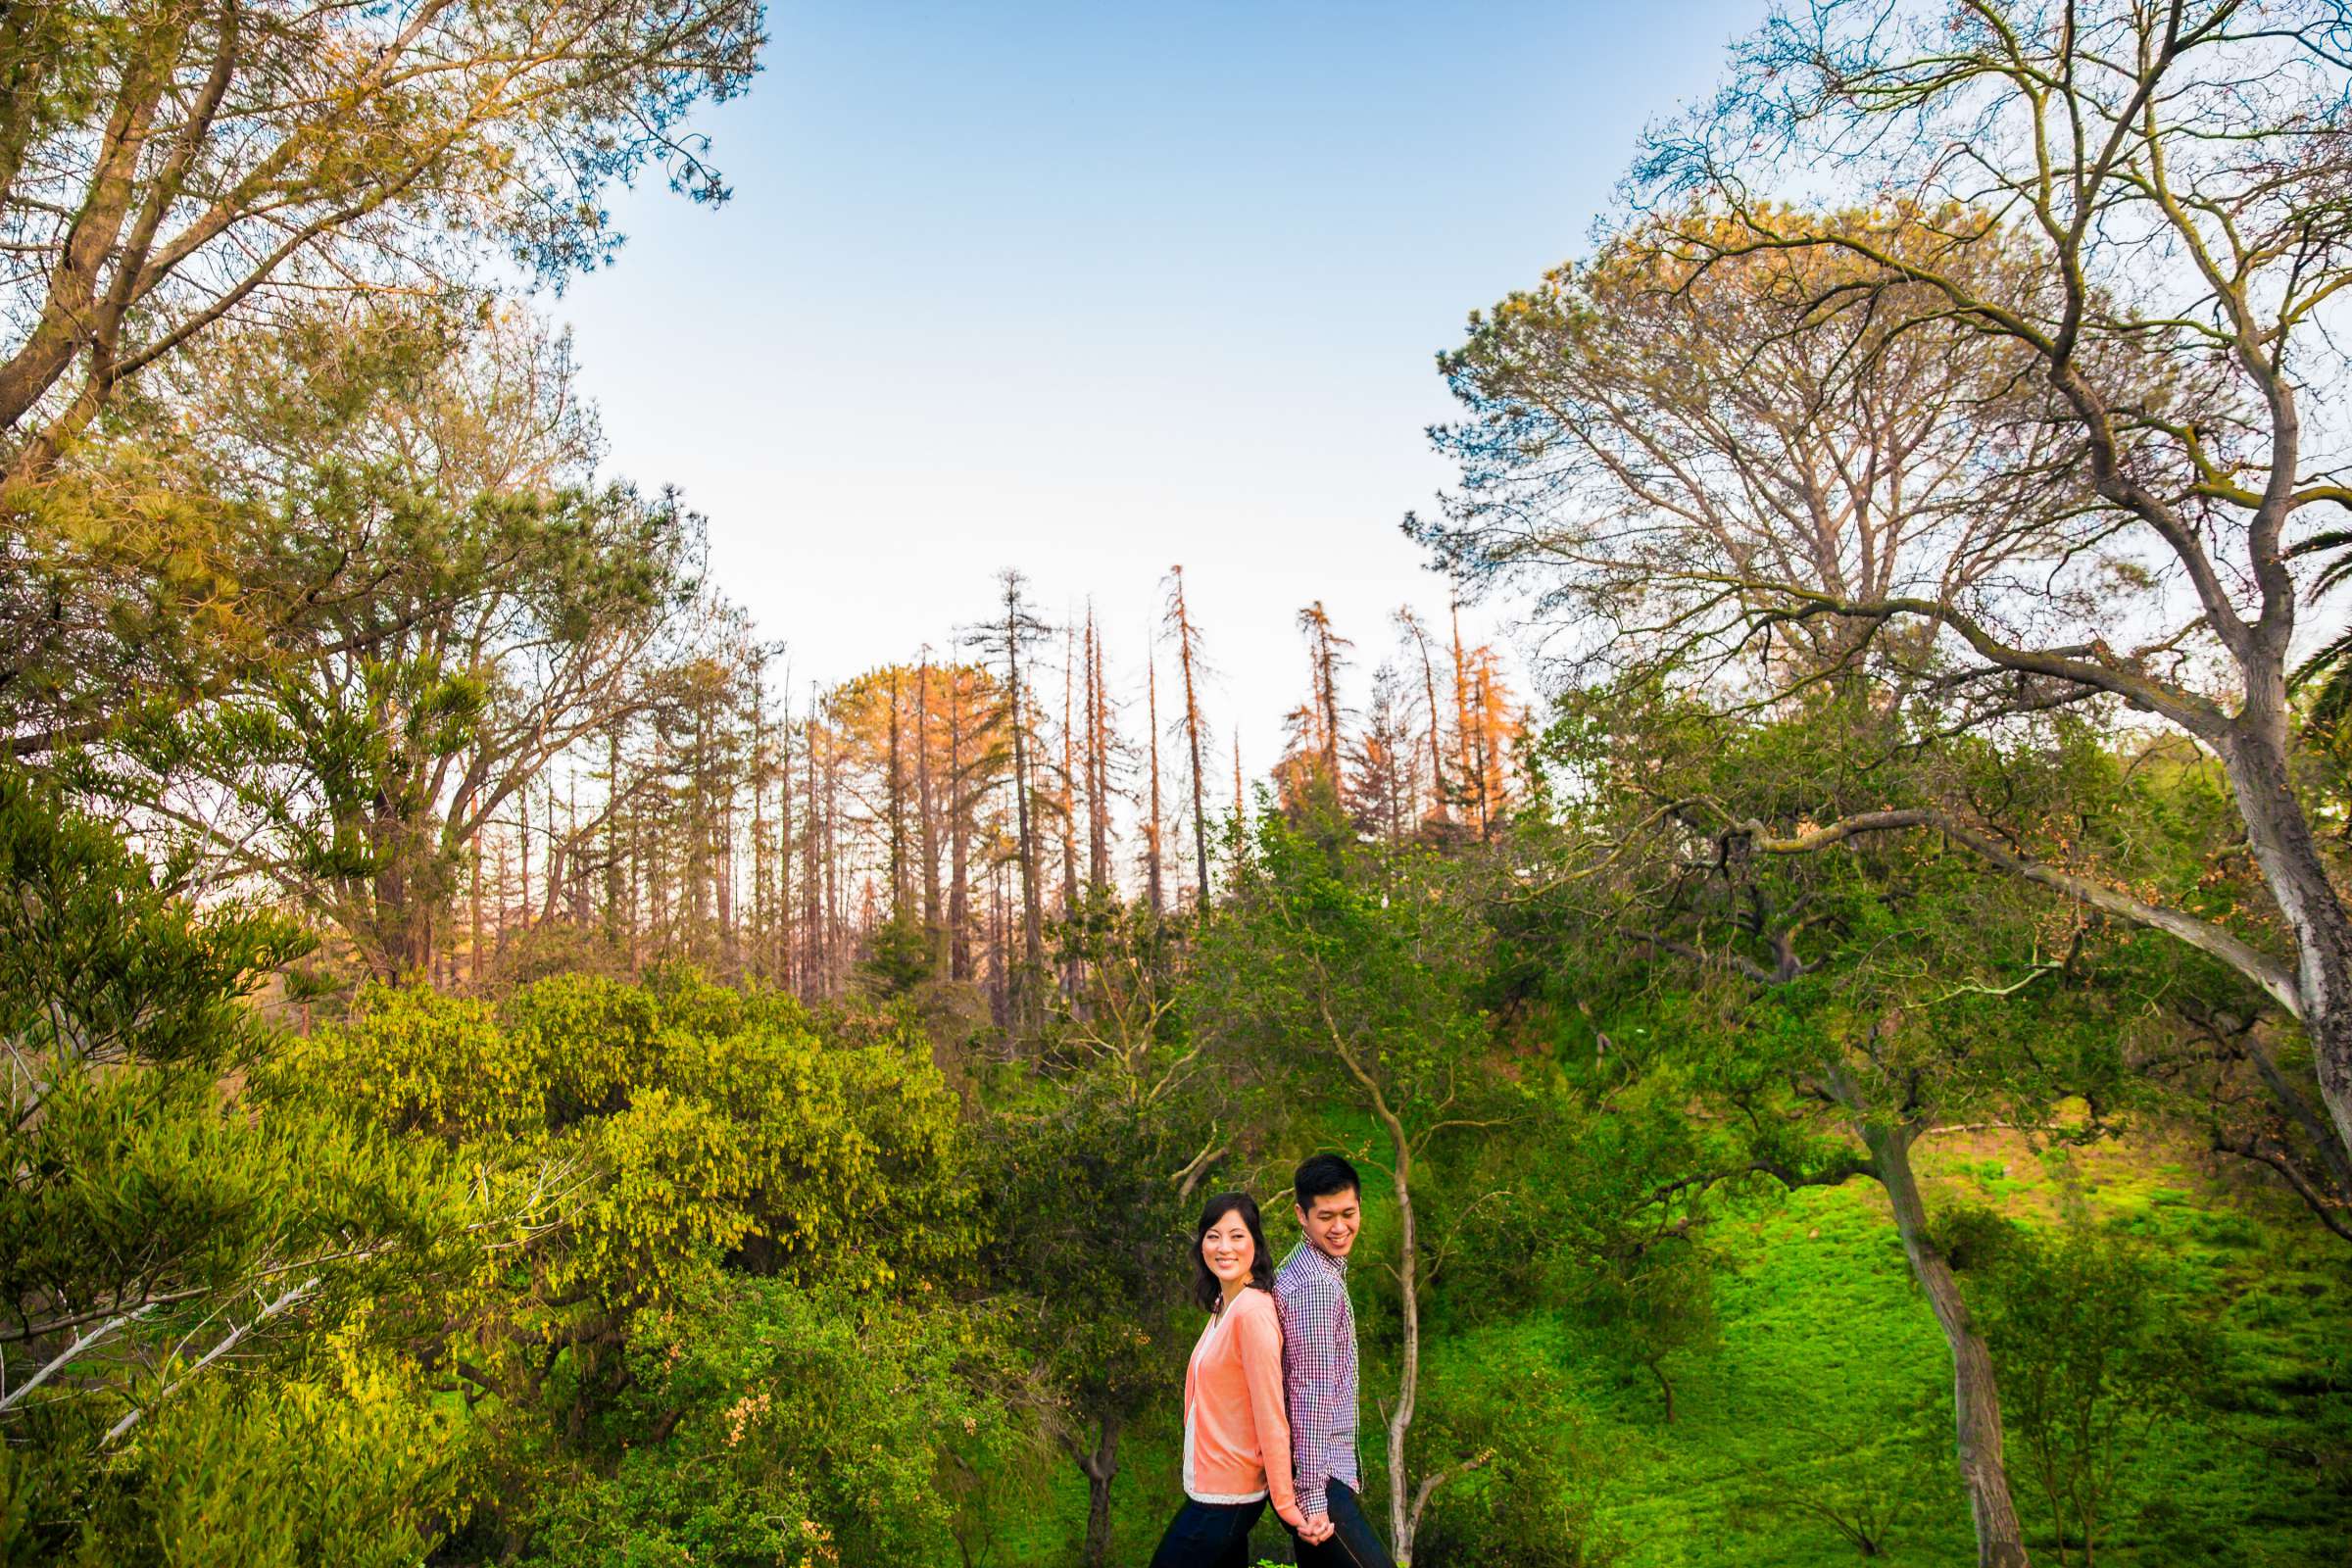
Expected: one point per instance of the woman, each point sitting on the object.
(1237, 1441)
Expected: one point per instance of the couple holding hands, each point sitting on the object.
(1270, 1395)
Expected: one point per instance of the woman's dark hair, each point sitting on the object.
(1321, 1176)
(1207, 1289)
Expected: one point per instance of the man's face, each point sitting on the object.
(1331, 1220)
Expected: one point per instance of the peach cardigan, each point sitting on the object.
(1237, 1439)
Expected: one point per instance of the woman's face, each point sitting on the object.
(1228, 1251)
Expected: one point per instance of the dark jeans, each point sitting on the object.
(1352, 1543)
(1208, 1535)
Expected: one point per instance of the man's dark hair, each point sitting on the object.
(1323, 1175)
(1207, 1289)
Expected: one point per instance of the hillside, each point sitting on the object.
(1824, 1408)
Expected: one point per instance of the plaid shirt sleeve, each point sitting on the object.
(1316, 1341)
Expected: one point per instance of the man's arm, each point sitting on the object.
(1312, 1322)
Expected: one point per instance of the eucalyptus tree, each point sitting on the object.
(1011, 635)
(2135, 213)
(1839, 1003)
(1176, 619)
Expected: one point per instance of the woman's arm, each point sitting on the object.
(1260, 1343)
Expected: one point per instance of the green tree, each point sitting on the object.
(766, 1424)
(1356, 968)
(1841, 1001)
(1591, 1211)
(684, 1142)
(167, 168)
(2095, 1357)
(504, 607)
(1087, 1199)
(2169, 309)
(1092, 1176)
(186, 1273)
(1530, 1505)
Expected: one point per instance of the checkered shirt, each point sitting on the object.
(1318, 1373)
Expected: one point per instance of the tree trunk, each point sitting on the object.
(1100, 1467)
(72, 297)
(722, 872)
(1461, 717)
(834, 907)
(1977, 1400)
(758, 967)
(1192, 729)
(1151, 832)
(522, 851)
(614, 870)
(898, 808)
(960, 886)
(1069, 777)
(1070, 966)
(1437, 733)
(1326, 681)
(786, 972)
(813, 882)
(2281, 837)
(1033, 934)
(1097, 762)
(473, 955)
(1408, 1375)
(926, 808)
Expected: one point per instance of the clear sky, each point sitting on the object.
(1095, 290)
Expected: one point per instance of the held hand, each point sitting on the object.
(1308, 1530)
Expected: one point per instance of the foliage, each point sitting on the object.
(1355, 969)
(1530, 1502)
(1352, 966)
(1093, 1179)
(514, 604)
(1601, 1217)
(188, 1273)
(738, 1130)
(1090, 1219)
(698, 1158)
(345, 1463)
(2095, 1359)
(768, 1424)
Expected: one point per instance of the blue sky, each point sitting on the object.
(1092, 290)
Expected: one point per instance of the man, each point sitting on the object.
(1318, 1366)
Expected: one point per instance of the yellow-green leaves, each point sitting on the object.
(417, 1061)
(705, 1124)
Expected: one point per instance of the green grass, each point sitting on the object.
(1828, 1394)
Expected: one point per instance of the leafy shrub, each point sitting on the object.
(1529, 1505)
(770, 1425)
(2093, 1360)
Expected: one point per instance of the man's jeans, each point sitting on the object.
(1208, 1535)
(1350, 1543)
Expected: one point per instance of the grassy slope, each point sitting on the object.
(1828, 1393)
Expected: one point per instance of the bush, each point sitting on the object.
(1530, 1503)
(769, 1425)
(2093, 1360)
